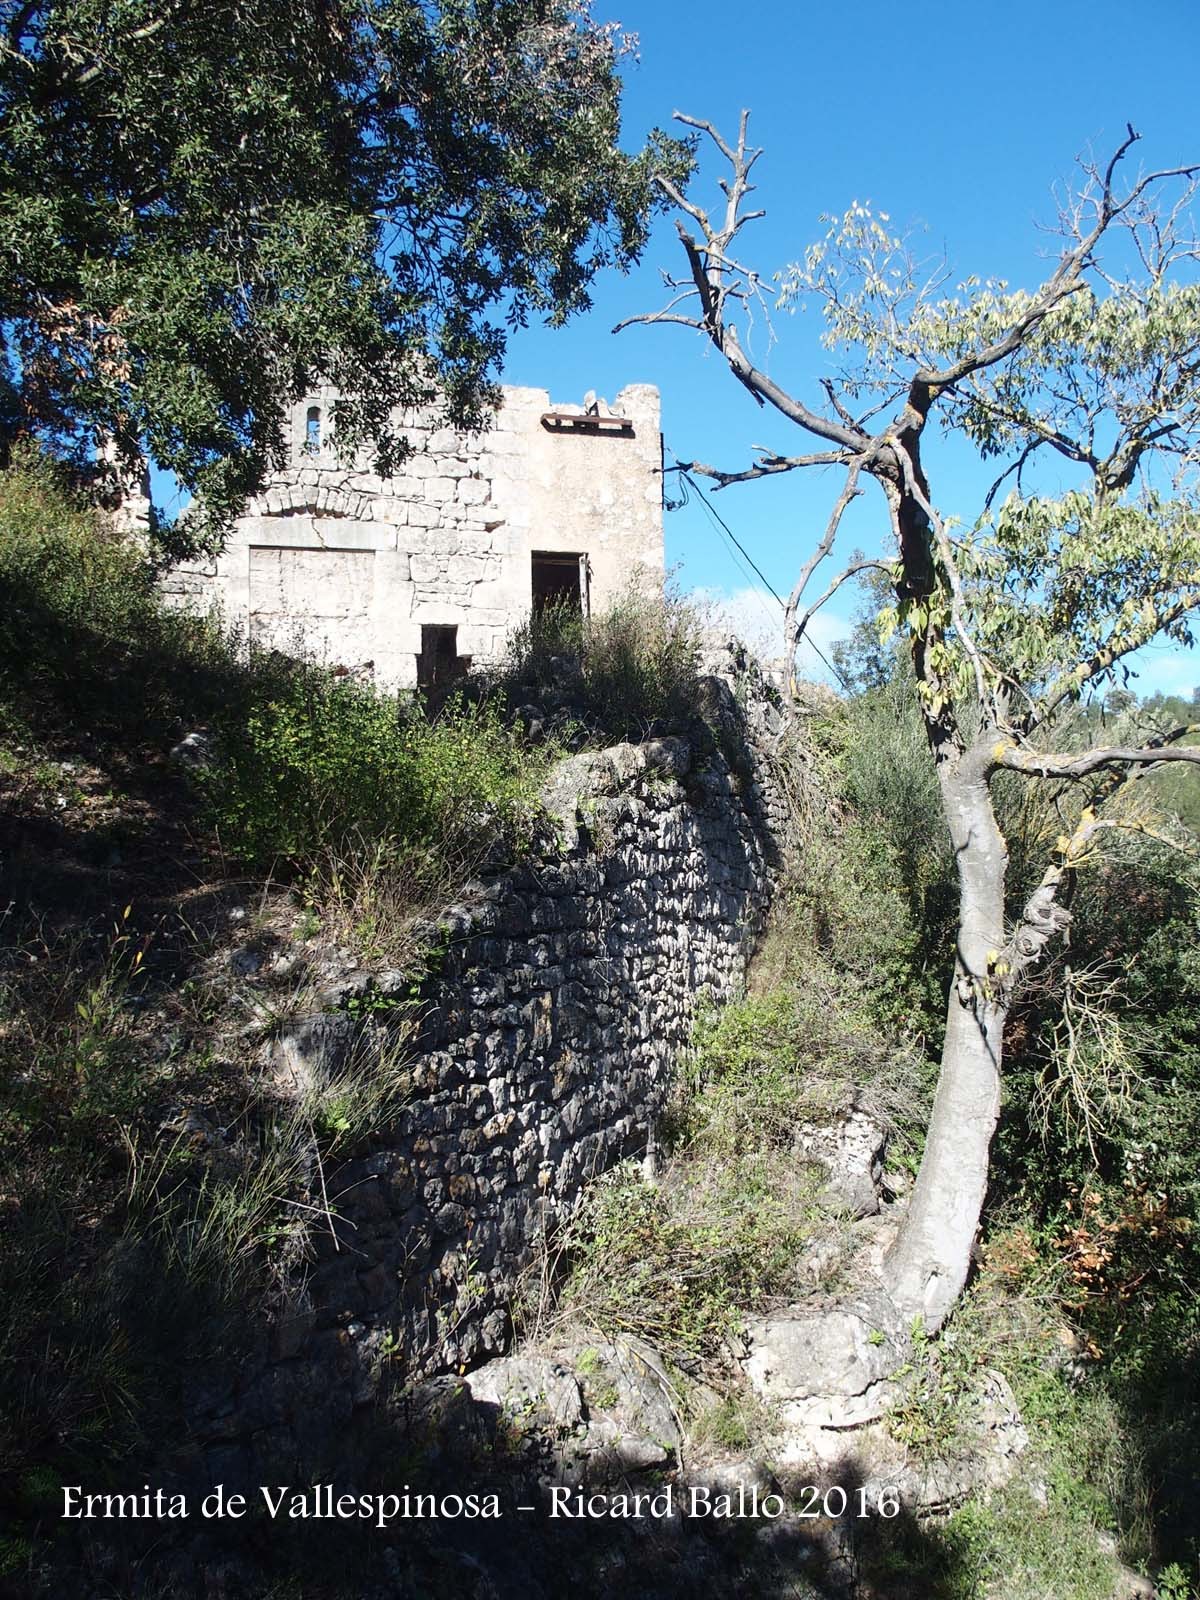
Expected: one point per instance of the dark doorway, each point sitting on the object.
(439, 664)
(559, 580)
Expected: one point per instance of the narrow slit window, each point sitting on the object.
(439, 664)
(312, 430)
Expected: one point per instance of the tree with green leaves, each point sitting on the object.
(205, 206)
(1012, 612)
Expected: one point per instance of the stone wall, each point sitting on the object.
(357, 565)
(564, 990)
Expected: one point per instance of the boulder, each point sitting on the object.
(851, 1146)
(588, 1413)
(530, 1392)
(827, 1367)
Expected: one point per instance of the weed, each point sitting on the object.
(1174, 1584)
(369, 1092)
(604, 1396)
(629, 670)
(676, 1265)
(738, 1422)
(329, 763)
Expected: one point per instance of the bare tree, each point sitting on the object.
(1011, 616)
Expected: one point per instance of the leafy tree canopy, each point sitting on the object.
(1047, 593)
(205, 205)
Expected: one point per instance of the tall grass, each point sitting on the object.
(631, 669)
(377, 806)
(87, 646)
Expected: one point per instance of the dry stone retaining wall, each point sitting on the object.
(564, 991)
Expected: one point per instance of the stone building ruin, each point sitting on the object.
(413, 577)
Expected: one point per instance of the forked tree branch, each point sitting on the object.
(1047, 764)
(1043, 917)
(792, 630)
(852, 571)
(1064, 281)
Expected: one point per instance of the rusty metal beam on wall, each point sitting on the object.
(586, 422)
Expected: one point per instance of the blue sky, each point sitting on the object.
(958, 119)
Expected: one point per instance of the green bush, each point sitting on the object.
(90, 581)
(311, 769)
(799, 1052)
(328, 763)
(86, 644)
(677, 1264)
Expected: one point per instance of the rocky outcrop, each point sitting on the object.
(827, 1366)
(850, 1146)
(586, 1414)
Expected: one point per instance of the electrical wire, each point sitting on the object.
(716, 516)
(741, 556)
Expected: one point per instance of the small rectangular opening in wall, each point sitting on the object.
(559, 580)
(439, 663)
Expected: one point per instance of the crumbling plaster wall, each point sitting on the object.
(354, 564)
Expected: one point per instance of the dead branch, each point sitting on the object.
(1064, 281)
(792, 632)
(844, 576)
(717, 278)
(765, 467)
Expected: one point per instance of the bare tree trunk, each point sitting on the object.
(927, 1266)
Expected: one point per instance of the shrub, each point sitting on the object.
(85, 639)
(1083, 1475)
(90, 581)
(380, 805)
(677, 1264)
(766, 1063)
(328, 764)
(630, 670)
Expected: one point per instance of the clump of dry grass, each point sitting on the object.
(368, 894)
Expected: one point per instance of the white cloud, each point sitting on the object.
(758, 620)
